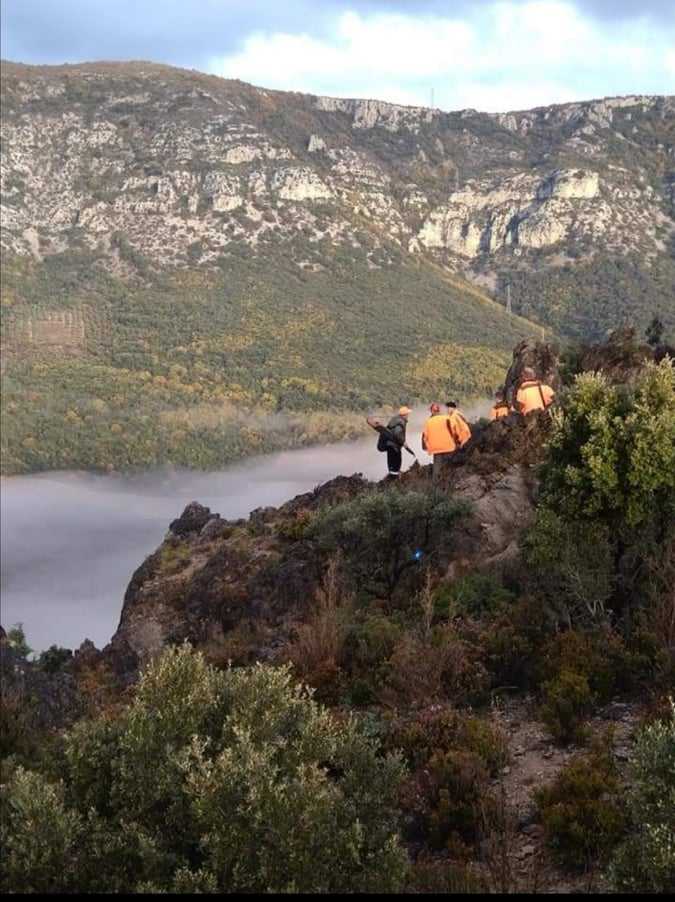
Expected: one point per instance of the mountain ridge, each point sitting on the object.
(325, 254)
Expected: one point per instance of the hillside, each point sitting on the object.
(490, 656)
(184, 256)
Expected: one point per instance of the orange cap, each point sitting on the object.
(403, 411)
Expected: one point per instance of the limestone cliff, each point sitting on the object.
(181, 167)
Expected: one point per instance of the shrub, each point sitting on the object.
(40, 836)
(459, 782)
(567, 702)
(600, 656)
(372, 641)
(383, 534)
(54, 658)
(317, 650)
(512, 641)
(570, 565)
(440, 729)
(478, 594)
(582, 817)
(646, 861)
(420, 671)
(612, 451)
(234, 781)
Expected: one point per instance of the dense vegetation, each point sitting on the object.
(587, 299)
(196, 368)
(199, 781)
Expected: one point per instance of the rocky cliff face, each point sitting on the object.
(180, 167)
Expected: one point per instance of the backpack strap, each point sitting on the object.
(541, 395)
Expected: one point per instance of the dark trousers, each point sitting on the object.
(440, 462)
(394, 460)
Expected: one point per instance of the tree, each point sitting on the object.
(646, 861)
(612, 451)
(232, 781)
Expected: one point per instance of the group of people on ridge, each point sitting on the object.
(444, 433)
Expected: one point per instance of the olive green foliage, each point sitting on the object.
(39, 836)
(452, 756)
(54, 658)
(380, 532)
(476, 595)
(612, 450)
(581, 811)
(571, 566)
(645, 863)
(17, 641)
(585, 300)
(198, 367)
(567, 702)
(202, 784)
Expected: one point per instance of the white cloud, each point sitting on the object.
(502, 56)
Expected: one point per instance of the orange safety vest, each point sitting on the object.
(436, 436)
(499, 410)
(459, 427)
(533, 395)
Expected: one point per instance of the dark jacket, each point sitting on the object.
(397, 426)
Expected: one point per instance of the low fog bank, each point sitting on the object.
(71, 541)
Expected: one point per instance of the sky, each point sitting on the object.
(492, 55)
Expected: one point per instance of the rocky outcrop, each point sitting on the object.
(522, 211)
(184, 173)
(542, 357)
(367, 114)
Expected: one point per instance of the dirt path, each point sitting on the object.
(521, 862)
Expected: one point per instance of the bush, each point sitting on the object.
(612, 451)
(459, 783)
(421, 670)
(645, 863)
(54, 658)
(233, 781)
(440, 729)
(477, 594)
(600, 656)
(570, 565)
(371, 642)
(40, 836)
(567, 702)
(383, 534)
(580, 811)
(317, 650)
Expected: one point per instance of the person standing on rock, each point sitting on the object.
(392, 439)
(532, 394)
(500, 408)
(457, 424)
(437, 438)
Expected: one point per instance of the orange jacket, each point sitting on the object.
(499, 410)
(533, 395)
(436, 436)
(459, 427)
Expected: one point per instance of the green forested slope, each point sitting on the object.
(195, 367)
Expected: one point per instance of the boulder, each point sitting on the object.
(193, 519)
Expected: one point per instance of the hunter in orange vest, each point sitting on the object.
(500, 408)
(533, 394)
(437, 438)
(460, 429)
(443, 434)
